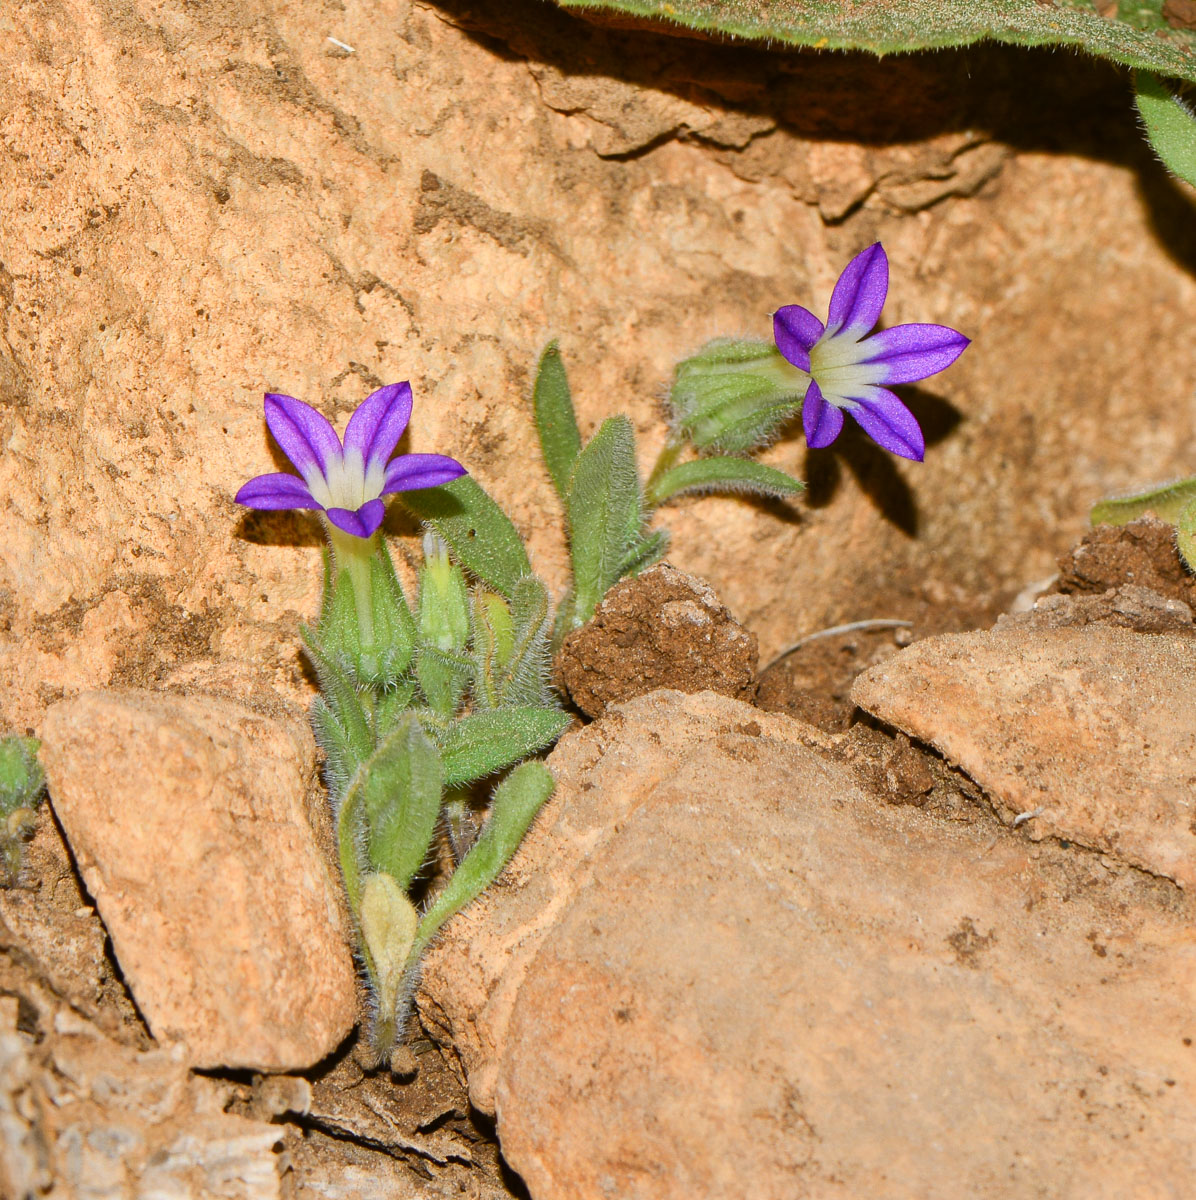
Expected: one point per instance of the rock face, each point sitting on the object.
(189, 822)
(718, 968)
(1093, 731)
(662, 629)
(203, 203)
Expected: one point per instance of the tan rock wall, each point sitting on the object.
(203, 202)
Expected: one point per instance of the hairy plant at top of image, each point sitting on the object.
(422, 702)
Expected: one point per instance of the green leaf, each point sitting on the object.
(480, 533)
(511, 647)
(1170, 125)
(388, 922)
(516, 802)
(340, 696)
(1185, 536)
(604, 513)
(400, 789)
(556, 421)
(477, 745)
(1166, 502)
(1147, 40)
(724, 475)
(646, 551)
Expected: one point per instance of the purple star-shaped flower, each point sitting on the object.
(849, 369)
(346, 481)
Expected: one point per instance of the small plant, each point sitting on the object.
(22, 783)
(415, 706)
(421, 703)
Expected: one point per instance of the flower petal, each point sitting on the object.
(362, 522)
(378, 423)
(411, 471)
(276, 491)
(911, 352)
(860, 293)
(305, 436)
(821, 421)
(795, 330)
(890, 424)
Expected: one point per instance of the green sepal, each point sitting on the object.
(482, 743)
(1185, 536)
(400, 789)
(443, 679)
(734, 395)
(605, 514)
(516, 802)
(394, 624)
(556, 421)
(1166, 502)
(479, 532)
(723, 475)
(389, 708)
(1170, 124)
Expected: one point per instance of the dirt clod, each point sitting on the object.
(1141, 553)
(661, 629)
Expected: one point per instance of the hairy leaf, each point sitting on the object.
(484, 742)
(1185, 536)
(1143, 39)
(556, 422)
(480, 533)
(1166, 502)
(1170, 125)
(724, 475)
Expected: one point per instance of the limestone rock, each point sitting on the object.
(1092, 730)
(203, 203)
(84, 1117)
(192, 824)
(661, 629)
(717, 968)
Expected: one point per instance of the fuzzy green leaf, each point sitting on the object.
(400, 789)
(484, 742)
(480, 533)
(517, 800)
(511, 647)
(556, 421)
(340, 696)
(1185, 536)
(1170, 125)
(1143, 38)
(604, 513)
(1166, 502)
(724, 475)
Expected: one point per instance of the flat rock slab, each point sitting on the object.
(718, 968)
(1093, 730)
(189, 824)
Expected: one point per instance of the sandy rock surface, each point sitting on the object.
(717, 967)
(1093, 730)
(663, 628)
(205, 202)
(190, 824)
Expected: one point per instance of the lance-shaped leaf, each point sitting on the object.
(556, 421)
(400, 789)
(388, 922)
(1185, 536)
(511, 647)
(604, 513)
(516, 802)
(1167, 502)
(1170, 124)
(723, 475)
(345, 724)
(1148, 40)
(480, 533)
(481, 743)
